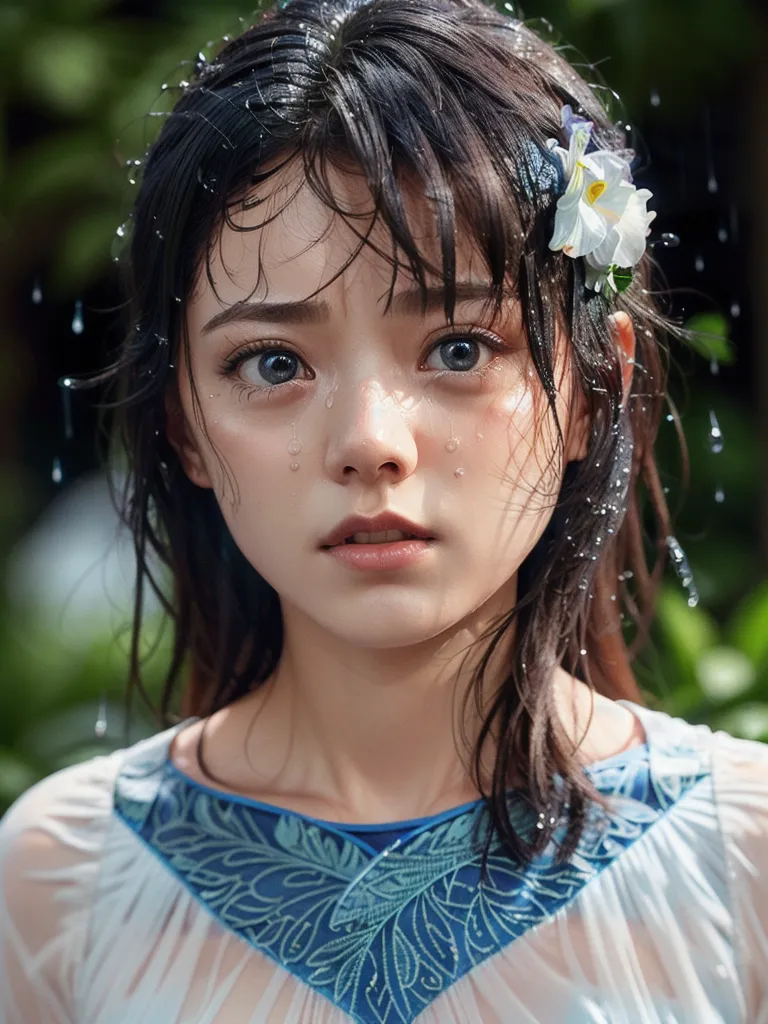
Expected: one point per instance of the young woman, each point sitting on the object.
(388, 404)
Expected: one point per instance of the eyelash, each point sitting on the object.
(232, 363)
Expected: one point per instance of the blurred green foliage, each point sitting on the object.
(87, 75)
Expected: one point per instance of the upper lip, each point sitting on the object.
(362, 524)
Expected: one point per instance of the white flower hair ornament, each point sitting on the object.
(601, 215)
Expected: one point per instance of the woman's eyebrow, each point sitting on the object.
(313, 311)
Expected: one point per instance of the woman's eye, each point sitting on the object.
(460, 353)
(271, 368)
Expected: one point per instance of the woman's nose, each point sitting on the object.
(371, 434)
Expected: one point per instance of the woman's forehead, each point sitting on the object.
(286, 239)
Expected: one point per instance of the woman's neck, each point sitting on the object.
(375, 735)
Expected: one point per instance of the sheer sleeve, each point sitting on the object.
(50, 842)
(740, 769)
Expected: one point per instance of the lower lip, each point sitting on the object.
(396, 554)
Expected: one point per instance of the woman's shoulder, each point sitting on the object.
(734, 771)
(67, 812)
(53, 843)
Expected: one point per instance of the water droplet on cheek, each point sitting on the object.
(458, 472)
(294, 447)
(452, 444)
(294, 466)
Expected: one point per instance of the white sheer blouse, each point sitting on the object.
(131, 894)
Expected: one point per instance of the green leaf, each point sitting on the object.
(709, 335)
(620, 278)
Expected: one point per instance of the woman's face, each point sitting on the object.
(348, 410)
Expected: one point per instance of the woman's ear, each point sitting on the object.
(177, 431)
(623, 334)
(624, 337)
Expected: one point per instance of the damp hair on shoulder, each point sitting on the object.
(456, 101)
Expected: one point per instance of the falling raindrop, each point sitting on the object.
(699, 264)
(37, 292)
(77, 319)
(715, 434)
(100, 727)
(57, 476)
(670, 240)
(735, 309)
(719, 495)
(712, 184)
(714, 366)
(66, 400)
(683, 570)
(722, 234)
(655, 98)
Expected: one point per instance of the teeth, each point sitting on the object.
(380, 537)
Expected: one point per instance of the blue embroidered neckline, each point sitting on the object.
(381, 934)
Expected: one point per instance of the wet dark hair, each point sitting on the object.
(455, 100)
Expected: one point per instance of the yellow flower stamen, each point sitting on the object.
(595, 190)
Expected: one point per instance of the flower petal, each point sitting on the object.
(632, 230)
(578, 229)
